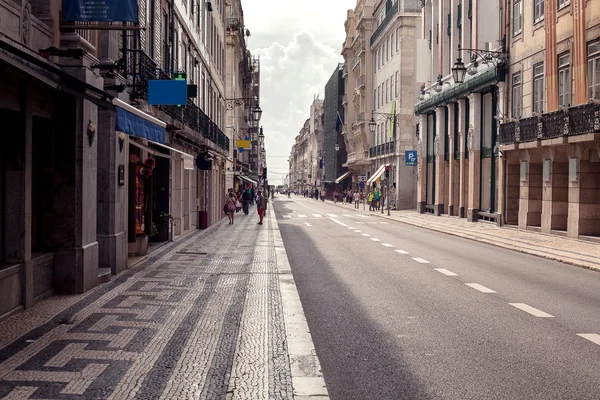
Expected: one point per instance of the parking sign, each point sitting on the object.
(410, 158)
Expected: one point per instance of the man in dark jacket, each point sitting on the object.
(246, 196)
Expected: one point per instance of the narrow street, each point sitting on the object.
(400, 312)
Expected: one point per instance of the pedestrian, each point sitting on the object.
(377, 199)
(356, 199)
(317, 194)
(260, 207)
(371, 200)
(229, 207)
(246, 201)
(252, 196)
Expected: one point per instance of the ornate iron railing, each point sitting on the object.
(529, 129)
(578, 120)
(584, 119)
(554, 124)
(507, 133)
(361, 81)
(382, 149)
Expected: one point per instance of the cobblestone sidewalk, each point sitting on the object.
(571, 251)
(213, 316)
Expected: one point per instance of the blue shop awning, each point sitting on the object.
(135, 122)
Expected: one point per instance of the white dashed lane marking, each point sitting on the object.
(338, 222)
(317, 215)
(357, 231)
(332, 215)
(531, 310)
(384, 223)
(347, 215)
(592, 337)
(481, 288)
(386, 245)
(420, 260)
(288, 216)
(445, 272)
(376, 240)
(301, 216)
(307, 224)
(366, 235)
(401, 252)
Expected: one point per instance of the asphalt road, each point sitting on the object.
(399, 312)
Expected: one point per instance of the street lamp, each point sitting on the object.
(372, 124)
(459, 71)
(256, 113)
(487, 56)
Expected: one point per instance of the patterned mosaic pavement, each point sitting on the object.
(213, 316)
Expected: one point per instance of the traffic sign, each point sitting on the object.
(363, 178)
(410, 158)
(361, 185)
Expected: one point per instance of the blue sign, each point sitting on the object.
(410, 158)
(100, 10)
(361, 185)
(167, 93)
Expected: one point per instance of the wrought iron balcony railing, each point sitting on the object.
(578, 120)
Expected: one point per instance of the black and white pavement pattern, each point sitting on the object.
(401, 312)
(213, 316)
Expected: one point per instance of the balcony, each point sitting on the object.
(360, 118)
(144, 69)
(383, 149)
(361, 81)
(386, 21)
(575, 121)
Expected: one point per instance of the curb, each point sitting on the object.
(490, 242)
(307, 377)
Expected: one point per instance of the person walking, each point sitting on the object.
(229, 207)
(377, 199)
(260, 207)
(371, 200)
(356, 199)
(246, 201)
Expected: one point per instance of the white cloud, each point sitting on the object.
(299, 47)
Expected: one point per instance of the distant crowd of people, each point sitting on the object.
(348, 196)
(242, 200)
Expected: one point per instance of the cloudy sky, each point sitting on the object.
(299, 45)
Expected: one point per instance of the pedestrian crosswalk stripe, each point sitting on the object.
(384, 223)
(366, 234)
(347, 215)
(287, 216)
(317, 215)
(592, 337)
(332, 215)
(386, 245)
(301, 216)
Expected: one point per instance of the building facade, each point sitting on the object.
(333, 151)
(393, 46)
(92, 174)
(549, 137)
(458, 158)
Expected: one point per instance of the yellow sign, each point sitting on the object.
(243, 144)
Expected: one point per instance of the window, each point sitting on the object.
(563, 3)
(517, 16)
(391, 87)
(374, 98)
(397, 39)
(151, 27)
(165, 43)
(387, 90)
(538, 10)
(564, 80)
(392, 43)
(396, 84)
(516, 95)
(387, 50)
(594, 70)
(538, 88)
(379, 96)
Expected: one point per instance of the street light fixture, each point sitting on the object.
(459, 70)
(372, 124)
(256, 113)
(487, 56)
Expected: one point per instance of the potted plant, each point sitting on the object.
(163, 221)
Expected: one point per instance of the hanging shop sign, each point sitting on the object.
(100, 10)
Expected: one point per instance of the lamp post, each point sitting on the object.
(487, 56)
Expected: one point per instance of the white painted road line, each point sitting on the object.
(338, 222)
(332, 215)
(317, 215)
(592, 337)
(420, 260)
(357, 231)
(386, 245)
(481, 288)
(301, 216)
(531, 310)
(376, 240)
(307, 224)
(366, 234)
(445, 272)
(384, 223)
(288, 216)
(401, 252)
(347, 215)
